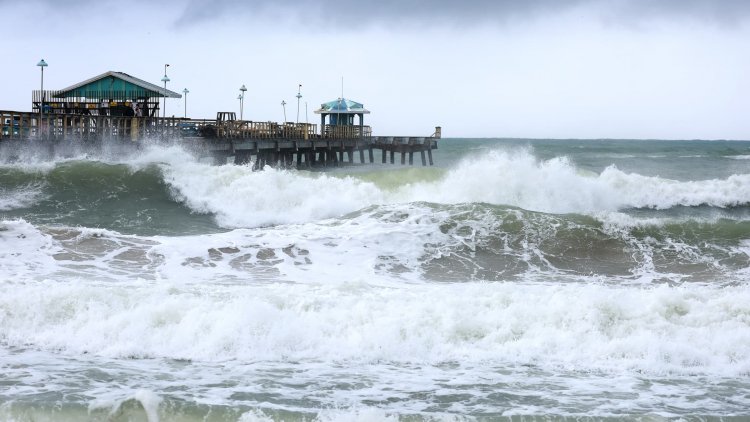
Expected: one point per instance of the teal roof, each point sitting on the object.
(342, 105)
(118, 84)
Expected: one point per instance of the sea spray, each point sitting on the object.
(517, 178)
(240, 197)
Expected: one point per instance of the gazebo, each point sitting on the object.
(341, 113)
(109, 94)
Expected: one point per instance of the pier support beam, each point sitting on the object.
(429, 154)
(242, 157)
(219, 158)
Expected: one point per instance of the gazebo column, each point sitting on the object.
(322, 124)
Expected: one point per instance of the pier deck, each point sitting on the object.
(262, 143)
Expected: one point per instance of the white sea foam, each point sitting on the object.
(243, 198)
(25, 251)
(240, 197)
(365, 247)
(519, 179)
(383, 245)
(121, 407)
(20, 198)
(357, 414)
(686, 330)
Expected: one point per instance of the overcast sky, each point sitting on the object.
(675, 69)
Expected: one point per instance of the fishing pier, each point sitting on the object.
(115, 106)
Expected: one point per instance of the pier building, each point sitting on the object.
(109, 94)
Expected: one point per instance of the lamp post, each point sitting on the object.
(306, 120)
(242, 99)
(42, 64)
(299, 95)
(186, 92)
(239, 97)
(283, 105)
(165, 79)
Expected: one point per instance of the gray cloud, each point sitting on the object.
(351, 14)
(356, 13)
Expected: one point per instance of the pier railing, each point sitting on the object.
(25, 125)
(346, 132)
(256, 130)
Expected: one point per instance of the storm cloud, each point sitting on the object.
(467, 12)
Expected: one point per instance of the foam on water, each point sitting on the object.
(122, 407)
(390, 245)
(239, 197)
(242, 198)
(19, 198)
(519, 179)
(660, 330)
(25, 251)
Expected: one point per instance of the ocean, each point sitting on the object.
(515, 280)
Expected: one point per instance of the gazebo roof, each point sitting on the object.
(115, 82)
(342, 106)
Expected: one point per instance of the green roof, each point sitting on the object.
(117, 85)
(342, 105)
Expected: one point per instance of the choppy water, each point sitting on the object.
(515, 280)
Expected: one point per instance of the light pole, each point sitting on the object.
(242, 99)
(165, 79)
(299, 95)
(306, 120)
(239, 97)
(42, 64)
(283, 105)
(186, 92)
